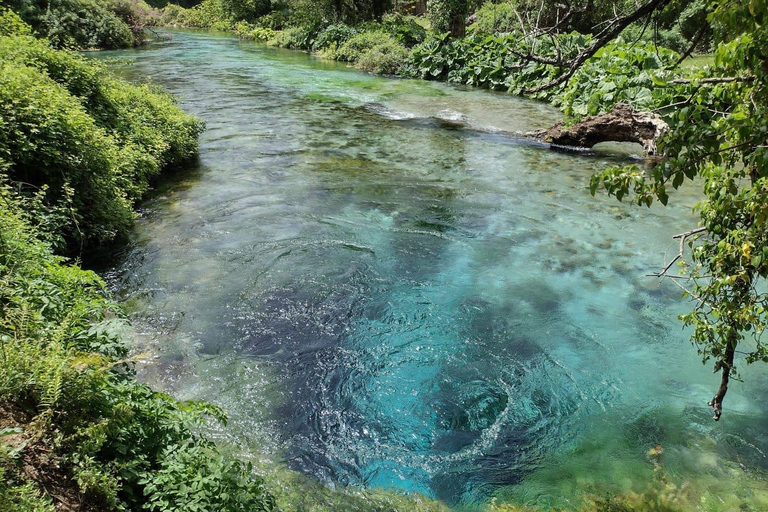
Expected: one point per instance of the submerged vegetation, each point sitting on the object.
(586, 58)
(79, 148)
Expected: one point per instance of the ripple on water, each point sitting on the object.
(384, 295)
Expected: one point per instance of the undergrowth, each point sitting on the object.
(78, 148)
(84, 143)
(63, 366)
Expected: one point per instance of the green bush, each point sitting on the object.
(173, 15)
(336, 34)
(360, 43)
(124, 445)
(386, 58)
(618, 73)
(494, 18)
(406, 29)
(81, 23)
(488, 61)
(665, 38)
(275, 20)
(245, 10)
(296, 38)
(92, 142)
(207, 14)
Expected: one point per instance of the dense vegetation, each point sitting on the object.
(78, 24)
(77, 149)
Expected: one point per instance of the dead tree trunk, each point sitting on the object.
(622, 124)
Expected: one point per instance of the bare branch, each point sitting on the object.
(683, 237)
(608, 34)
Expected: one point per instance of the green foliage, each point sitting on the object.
(21, 497)
(247, 31)
(207, 14)
(195, 477)
(86, 143)
(86, 23)
(448, 15)
(495, 18)
(659, 37)
(356, 46)
(296, 38)
(333, 35)
(719, 135)
(12, 25)
(62, 359)
(406, 29)
(495, 62)
(618, 73)
(375, 52)
(245, 10)
(386, 58)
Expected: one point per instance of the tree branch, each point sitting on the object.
(608, 34)
(683, 237)
(696, 40)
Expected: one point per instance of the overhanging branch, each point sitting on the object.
(609, 33)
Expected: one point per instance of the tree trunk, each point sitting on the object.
(724, 365)
(458, 25)
(622, 124)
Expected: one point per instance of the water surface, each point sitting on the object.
(384, 289)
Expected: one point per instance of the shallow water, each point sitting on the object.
(385, 289)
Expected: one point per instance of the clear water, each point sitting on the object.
(384, 289)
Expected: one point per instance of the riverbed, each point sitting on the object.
(385, 289)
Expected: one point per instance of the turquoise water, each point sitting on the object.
(385, 289)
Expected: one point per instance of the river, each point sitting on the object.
(384, 289)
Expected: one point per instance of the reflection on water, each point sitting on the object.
(384, 290)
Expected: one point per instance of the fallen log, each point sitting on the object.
(621, 124)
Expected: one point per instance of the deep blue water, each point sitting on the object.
(384, 289)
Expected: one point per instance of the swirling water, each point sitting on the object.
(385, 289)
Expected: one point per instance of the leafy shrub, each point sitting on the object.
(138, 15)
(336, 34)
(245, 10)
(193, 473)
(488, 61)
(494, 18)
(12, 25)
(356, 46)
(665, 38)
(245, 30)
(261, 34)
(406, 29)
(275, 20)
(296, 38)
(92, 141)
(62, 360)
(207, 14)
(618, 73)
(172, 15)
(82, 23)
(386, 58)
